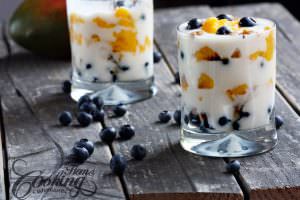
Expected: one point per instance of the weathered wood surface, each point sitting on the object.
(31, 100)
(168, 172)
(276, 175)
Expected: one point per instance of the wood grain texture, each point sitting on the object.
(275, 175)
(166, 21)
(32, 99)
(168, 172)
(288, 45)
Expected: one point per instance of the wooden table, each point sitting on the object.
(35, 147)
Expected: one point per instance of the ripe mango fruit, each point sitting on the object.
(40, 26)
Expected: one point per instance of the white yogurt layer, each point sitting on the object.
(230, 76)
(111, 43)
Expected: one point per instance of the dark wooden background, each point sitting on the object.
(7, 6)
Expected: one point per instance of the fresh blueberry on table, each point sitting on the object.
(193, 24)
(164, 116)
(119, 110)
(236, 125)
(66, 87)
(223, 121)
(84, 99)
(98, 101)
(108, 134)
(84, 119)
(247, 22)
(177, 78)
(118, 164)
(225, 16)
(278, 121)
(89, 145)
(81, 153)
(177, 117)
(138, 152)
(88, 107)
(223, 31)
(156, 57)
(233, 166)
(65, 118)
(126, 132)
(98, 116)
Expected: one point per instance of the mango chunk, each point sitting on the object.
(239, 90)
(147, 43)
(102, 23)
(236, 54)
(184, 84)
(125, 41)
(75, 19)
(95, 38)
(205, 82)
(125, 18)
(207, 53)
(212, 24)
(269, 52)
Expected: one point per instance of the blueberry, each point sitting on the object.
(99, 102)
(146, 64)
(138, 152)
(65, 118)
(236, 125)
(269, 110)
(233, 166)
(118, 164)
(223, 31)
(120, 3)
(194, 119)
(86, 144)
(193, 24)
(143, 16)
(156, 57)
(186, 119)
(126, 132)
(98, 116)
(278, 121)
(66, 87)
(80, 153)
(88, 107)
(95, 79)
(244, 114)
(225, 61)
(177, 117)
(124, 68)
(247, 22)
(181, 55)
(119, 110)
(83, 99)
(223, 121)
(205, 120)
(225, 16)
(84, 119)
(177, 78)
(88, 66)
(164, 116)
(108, 134)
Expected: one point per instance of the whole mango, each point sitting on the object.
(41, 27)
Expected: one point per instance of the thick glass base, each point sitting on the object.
(115, 93)
(235, 144)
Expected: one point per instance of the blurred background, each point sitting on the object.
(7, 6)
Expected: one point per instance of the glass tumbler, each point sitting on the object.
(112, 49)
(228, 90)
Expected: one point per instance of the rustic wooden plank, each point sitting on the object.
(288, 46)
(274, 175)
(32, 98)
(168, 172)
(166, 21)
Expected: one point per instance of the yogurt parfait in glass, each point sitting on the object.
(227, 69)
(112, 49)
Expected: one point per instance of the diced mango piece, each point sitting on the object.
(236, 54)
(211, 25)
(184, 84)
(269, 52)
(75, 19)
(125, 41)
(95, 38)
(147, 43)
(125, 18)
(239, 90)
(205, 82)
(206, 53)
(102, 23)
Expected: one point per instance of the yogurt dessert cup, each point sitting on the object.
(112, 49)
(227, 71)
